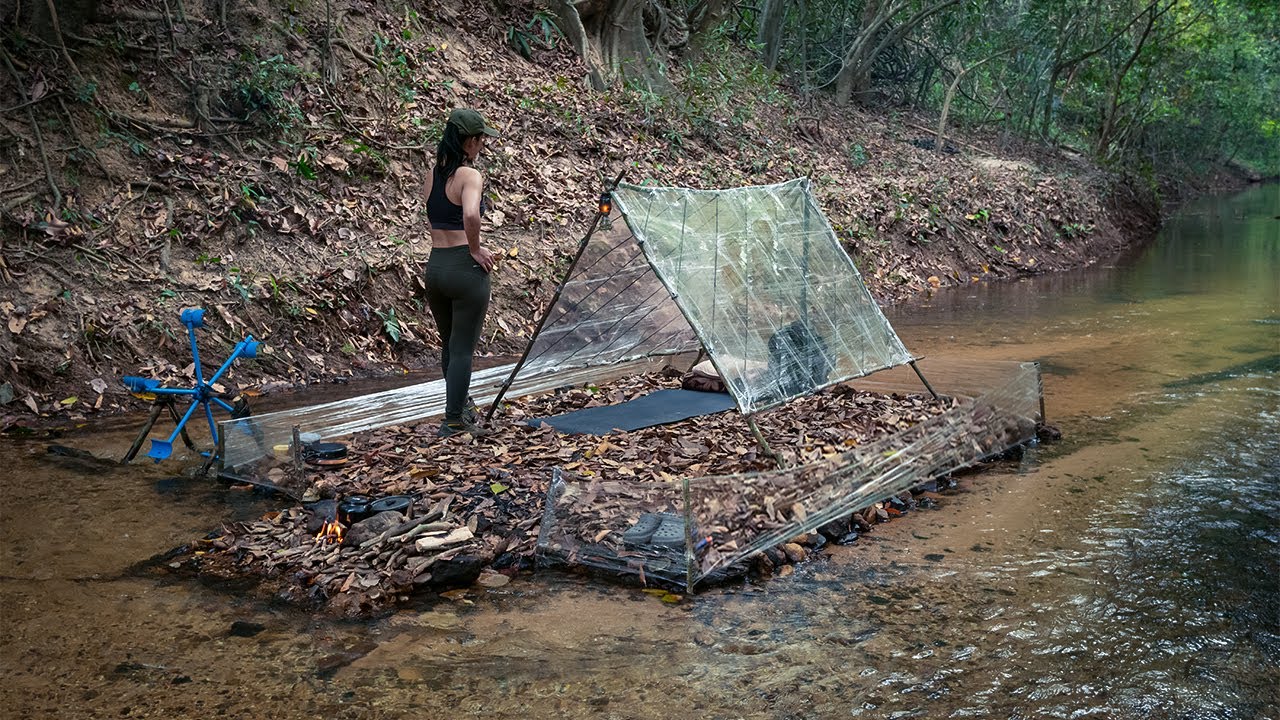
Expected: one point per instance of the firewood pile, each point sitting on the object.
(474, 505)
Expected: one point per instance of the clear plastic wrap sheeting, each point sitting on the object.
(612, 308)
(754, 275)
(255, 446)
(732, 517)
(584, 521)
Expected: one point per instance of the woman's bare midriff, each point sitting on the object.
(448, 238)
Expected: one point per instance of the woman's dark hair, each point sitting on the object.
(449, 155)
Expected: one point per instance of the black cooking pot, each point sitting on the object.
(324, 451)
(353, 509)
(399, 503)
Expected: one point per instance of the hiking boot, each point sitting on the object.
(471, 413)
(449, 428)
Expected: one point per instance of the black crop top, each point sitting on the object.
(443, 213)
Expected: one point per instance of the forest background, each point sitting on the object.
(264, 159)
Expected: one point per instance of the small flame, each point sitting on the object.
(330, 533)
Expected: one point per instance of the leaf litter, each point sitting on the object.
(479, 501)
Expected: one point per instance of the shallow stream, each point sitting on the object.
(1130, 571)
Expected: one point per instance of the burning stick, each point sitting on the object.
(330, 533)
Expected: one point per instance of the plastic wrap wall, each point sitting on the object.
(257, 448)
(754, 275)
(725, 519)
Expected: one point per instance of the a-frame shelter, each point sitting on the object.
(754, 276)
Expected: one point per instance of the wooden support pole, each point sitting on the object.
(764, 444)
(555, 297)
(156, 409)
(1040, 390)
(296, 448)
(920, 375)
(689, 539)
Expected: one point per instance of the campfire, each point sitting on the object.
(330, 533)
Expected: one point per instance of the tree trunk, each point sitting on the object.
(769, 31)
(72, 16)
(576, 34)
(613, 40)
(705, 16)
(874, 35)
(1106, 133)
(960, 72)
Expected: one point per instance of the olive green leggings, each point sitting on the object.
(458, 294)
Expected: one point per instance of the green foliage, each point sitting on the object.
(305, 164)
(234, 281)
(641, 95)
(1177, 86)
(86, 92)
(136, 146)
(262, 92)
(390, 324)
(391, 57)
(716, 84)
(541, 31)
(714, 93)
(360, 148)
(857, 155)
(1074, 230)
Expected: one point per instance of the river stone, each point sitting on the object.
(859, 523)
(762, 565)
(776, 556)
(244, 628)
(460, 571)
(836, 529)
(1048, 433)
(491, 579)
(372, 527)
(795, 553)
(804, 539)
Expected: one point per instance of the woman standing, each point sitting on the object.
(458, 269)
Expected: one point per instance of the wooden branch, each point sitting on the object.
(168, 21)
(1063, 64)
(128, 14)
(28, 103)
(339, 40)
(57, 30)
(151, 122)
(23, 186)
(18, 201)
(99, 43)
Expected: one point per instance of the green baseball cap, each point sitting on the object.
(471, 123)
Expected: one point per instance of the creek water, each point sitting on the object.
(1129, 571)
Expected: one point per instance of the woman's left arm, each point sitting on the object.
(471, 191)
